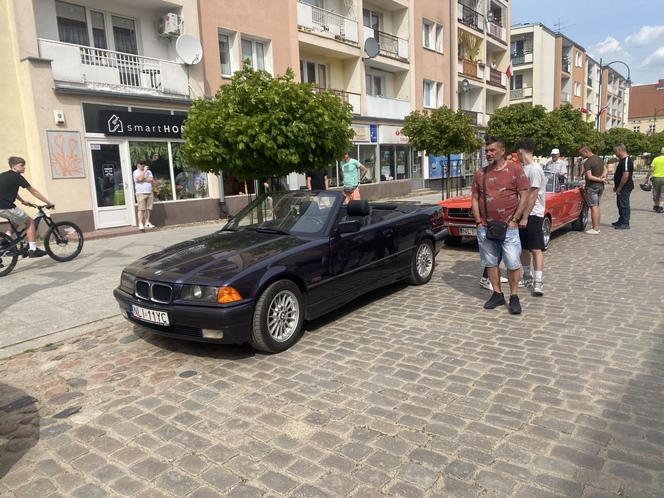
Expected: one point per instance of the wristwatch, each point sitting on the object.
(515, 219)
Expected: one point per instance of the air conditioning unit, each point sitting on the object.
(168, 25)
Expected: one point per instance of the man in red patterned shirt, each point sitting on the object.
(500, 197)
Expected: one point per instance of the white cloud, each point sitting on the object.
(656, 58)
(610, 48)
(645, 36)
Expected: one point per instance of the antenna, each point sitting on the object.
(560, 26)
(189, 49)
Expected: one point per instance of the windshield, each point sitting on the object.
(550, 182)
(300, 212)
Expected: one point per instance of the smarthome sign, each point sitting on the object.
(141, 124)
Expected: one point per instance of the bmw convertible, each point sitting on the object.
(287, 257)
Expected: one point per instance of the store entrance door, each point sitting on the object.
(111, 176)
(417, 170)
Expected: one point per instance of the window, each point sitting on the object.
(651, 128)
(439, 38)
(371, 19)
(439, 94)
(255, 52)
(98, 29)
(225, 54)
(577, 89)
(432, 94)
(190, 183)
(312, 72)
(578, 59)
(427, 34)
(516, 82)
(375, 85)
(72, 23)
(636, 129)
(124, 34)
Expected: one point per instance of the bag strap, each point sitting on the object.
(486, 210)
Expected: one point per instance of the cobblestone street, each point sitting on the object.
(413, 391)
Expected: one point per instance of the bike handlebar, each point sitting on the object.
(42, 207)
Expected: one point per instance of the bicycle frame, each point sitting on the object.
(21, 234)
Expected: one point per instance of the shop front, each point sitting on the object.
(116, 139)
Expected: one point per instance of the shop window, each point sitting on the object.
(387, 163)
(402, 157)
(156, 153)
(190, 183)
(368, 158)
(92, 116)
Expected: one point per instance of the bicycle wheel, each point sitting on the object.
(8, 257)
(63, 241)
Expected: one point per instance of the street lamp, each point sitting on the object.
(599, 98)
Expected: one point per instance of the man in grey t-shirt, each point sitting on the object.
(531, 224)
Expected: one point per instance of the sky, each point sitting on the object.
(628, 30)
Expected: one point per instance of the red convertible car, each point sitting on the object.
(564, 205)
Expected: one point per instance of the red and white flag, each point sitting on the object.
(509, 70)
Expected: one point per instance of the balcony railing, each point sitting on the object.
(326, 22)
(470, 17)
(521, 93)
(388, 108)
(523, 57)
(351, 98)
(389, 44)
(498, 31)
(473, 116)
(565, 97)
(108, 70)
(497, 77)
(471, 68)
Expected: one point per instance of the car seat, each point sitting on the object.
(358, 210)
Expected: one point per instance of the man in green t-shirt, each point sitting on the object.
(656, 175)
(594, 172)
(353, 173)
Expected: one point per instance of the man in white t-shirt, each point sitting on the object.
(530, 226)
(143, 181)
(557, 166)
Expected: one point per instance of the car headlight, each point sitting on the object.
(127, 281)
(208, 294)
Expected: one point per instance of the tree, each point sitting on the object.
(260, 126)
(568, 131)
(655, 143)
(519, 121)
(636, 143)
(441, 132)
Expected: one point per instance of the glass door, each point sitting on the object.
(113, 204)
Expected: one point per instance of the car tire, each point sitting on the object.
(546, 228)
(278, 317)
(580, 223)
(453, 240)
(422, 263)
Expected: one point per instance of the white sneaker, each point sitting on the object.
(141, 227)
(503, 280)
(538, 288)
(149, 225)
(526, 281)
(486, 284)
(592, 231)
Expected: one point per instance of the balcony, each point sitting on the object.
(476, 118)
(521, 93)
(389, 44)
(470, 17)
(497, 78)
(497, 31)
(565, 97)
(387, 108)
(565, 65)
(351, 98)
(523, 57)
(326, 23)
(471, 68)
(106, 71)
(589, 82)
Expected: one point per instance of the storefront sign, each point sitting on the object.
(392, 135)
(141, 124)
(361, 133)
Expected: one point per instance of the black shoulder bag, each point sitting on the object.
(495, 230)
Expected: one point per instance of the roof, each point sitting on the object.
(532, 25)
(644, 99)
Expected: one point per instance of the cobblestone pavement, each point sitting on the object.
(413, 391)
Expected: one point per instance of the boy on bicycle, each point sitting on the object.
(10, 181)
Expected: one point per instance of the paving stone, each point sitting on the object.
(149, 468)
(176, 483)
(89, 491)
(277, 482)
(220, 478)
(127, 486)
(38, 487)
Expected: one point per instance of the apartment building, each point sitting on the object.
(90, 87)
(482, 29)
(550, 69)
(646, 108)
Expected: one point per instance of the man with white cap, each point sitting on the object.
(557, 166)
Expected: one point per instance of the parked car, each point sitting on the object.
(287, 257)
(564, 204)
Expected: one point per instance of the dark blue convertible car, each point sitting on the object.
(287, 257)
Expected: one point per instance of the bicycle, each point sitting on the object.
(63, 241)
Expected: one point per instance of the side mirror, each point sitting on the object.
(351, 226)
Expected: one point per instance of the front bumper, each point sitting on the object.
(193, 323)
(454, 228)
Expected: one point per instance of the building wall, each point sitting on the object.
(557, 89)
(578, 76)
(544, 68)
(274, 20)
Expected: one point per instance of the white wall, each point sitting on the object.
(544, 68)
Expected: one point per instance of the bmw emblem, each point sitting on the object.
(158, 272)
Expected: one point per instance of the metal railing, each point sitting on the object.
(473, 116)
(470, 17)
(521, 93)
(495, 77)
(389, 44)
(132, 70)
(327, 21)
(497, 31)
(522, 57)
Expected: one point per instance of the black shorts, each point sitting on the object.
(532, 237)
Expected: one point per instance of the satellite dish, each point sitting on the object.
(371, 47)
(189, 49)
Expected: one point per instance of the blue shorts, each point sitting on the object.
(490, 250)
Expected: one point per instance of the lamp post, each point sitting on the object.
(654, 119)
(602, 67)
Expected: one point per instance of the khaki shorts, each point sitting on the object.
(144, 201)
(16, 215)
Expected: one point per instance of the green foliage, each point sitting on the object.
(261, 126)
(562, 128)
(655, 143)
(440, 132)
(636, 143)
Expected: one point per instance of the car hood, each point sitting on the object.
(213, 258)
(456, 202)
